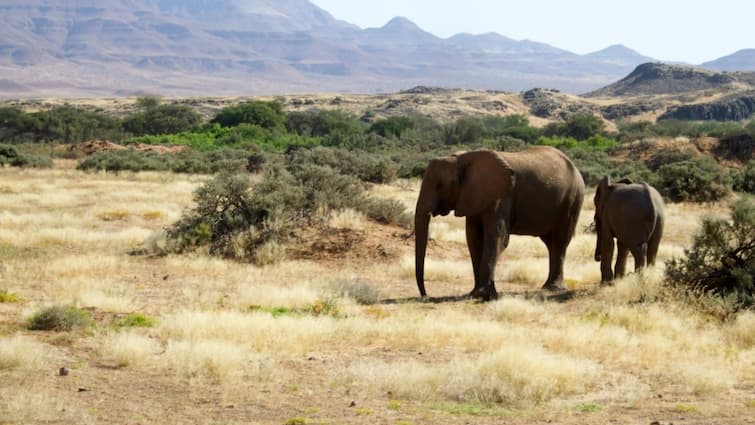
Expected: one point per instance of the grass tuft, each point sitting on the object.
(8, 297)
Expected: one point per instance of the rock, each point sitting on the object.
(729, 109)
(63, 371)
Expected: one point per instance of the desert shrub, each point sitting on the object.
(267, 115)
(181, 162)
(387, 211)
(694, 180)
(722, 257)
(596, 142)
(669, 156)
(511, 127)
(362, 165)
(505, 143)
(324, 123)
(10, 155)
(59, 318)
(239, 219)
(392, 126)
(595, 164)
(744, 180)
(580, 126)
(161, 119)
(466, 131)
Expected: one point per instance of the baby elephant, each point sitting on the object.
(633, 214)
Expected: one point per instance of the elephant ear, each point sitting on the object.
(603, 188)
(484, 178)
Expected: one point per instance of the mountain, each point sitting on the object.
(215, 47)
(619, 54)
(664, 79)
(742, 60)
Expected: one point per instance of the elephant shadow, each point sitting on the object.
(537, 295)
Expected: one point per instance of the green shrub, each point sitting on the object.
(596, 142)
(59, 318)
(669, 156)
(181, 162)
(580, 126)
(722, 257)
(695, 180)
(10, 155)
(162, 119)
(362, 165)
(267, 115)
(744, 180)
(136, 320)
(392, 126)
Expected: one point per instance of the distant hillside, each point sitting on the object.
(225, 47)
(661, 79)
(743, 60)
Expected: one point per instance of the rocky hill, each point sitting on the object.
(662, 79)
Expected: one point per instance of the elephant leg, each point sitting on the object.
(621, 260)
(654, 242)
(492, 235)
(639, 253)
(606, 256)
(475, 241)
(556, 244)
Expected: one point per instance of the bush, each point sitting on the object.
(510, 126)
(181, 162)
(162, 119)
(59, 318)
(362, 165)
(267, 115)
(242, 220)
(9, 155)
(392, 126)
(578, 126)
(722, 257)
(695, 180)
(744, 180)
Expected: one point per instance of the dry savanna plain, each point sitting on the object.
(340, 337)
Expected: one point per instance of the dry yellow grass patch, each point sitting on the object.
(438, 270)
(128, 349)
(514, 375)
(347, 219)
(20, 352)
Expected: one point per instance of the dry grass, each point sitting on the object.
(20, 352)
(235, 334)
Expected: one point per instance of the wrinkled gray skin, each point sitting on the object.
(536, 192)
(631, 213)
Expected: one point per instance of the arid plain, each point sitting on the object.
(342, 337)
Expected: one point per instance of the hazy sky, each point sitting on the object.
(690, 31)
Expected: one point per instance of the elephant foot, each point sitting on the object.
(486, 293)
(606, 283)
(556, 285)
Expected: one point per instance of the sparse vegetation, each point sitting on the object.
(59, 318)
(722, 257)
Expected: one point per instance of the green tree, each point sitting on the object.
(268, 115)
(162, 119)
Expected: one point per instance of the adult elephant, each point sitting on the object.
(535, 192)
(632, 213)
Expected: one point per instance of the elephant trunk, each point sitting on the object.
(421, 225)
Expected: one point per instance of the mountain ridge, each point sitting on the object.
(194, 47)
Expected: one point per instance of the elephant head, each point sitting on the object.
(468, 183)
